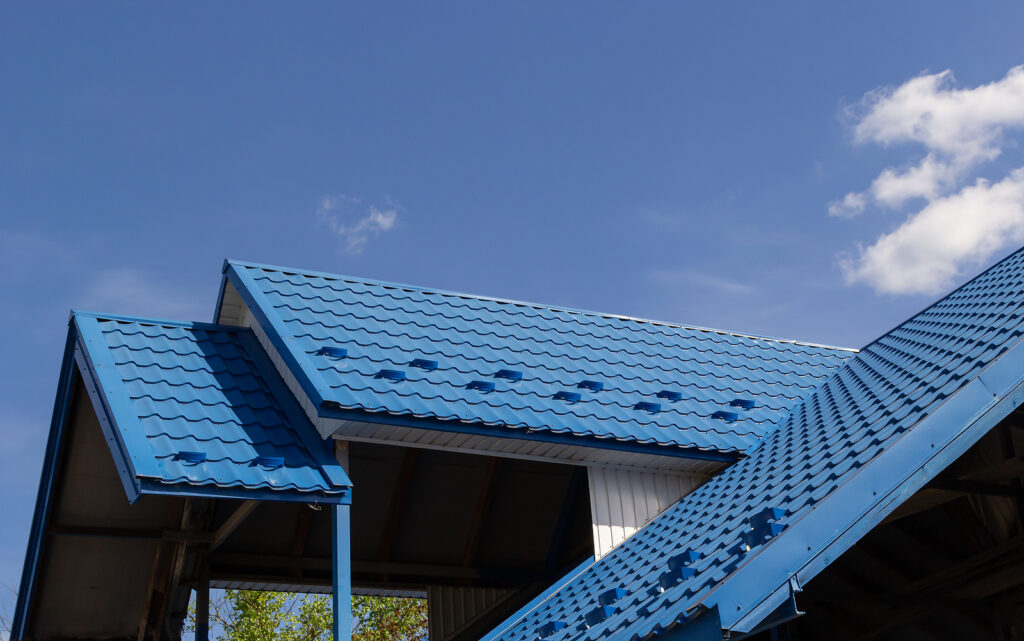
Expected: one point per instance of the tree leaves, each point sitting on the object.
(241, 615)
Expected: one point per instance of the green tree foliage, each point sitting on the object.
(386, 619)
(240, 615)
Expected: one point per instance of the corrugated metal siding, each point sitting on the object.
(387, 327)
(450, 609)
(844, 457)
(623, 501)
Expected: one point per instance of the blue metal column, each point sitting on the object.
(341, 570)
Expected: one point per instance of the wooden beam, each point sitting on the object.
(480, 511)
(176, 566)
(1010, 450)
(187, 536)
(151, 585)
(394, 520)
(966, 486)
(923, 499)
(232, 523)
(279, 565)
(1010, 469)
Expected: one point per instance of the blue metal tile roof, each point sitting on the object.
(890, 420)
(401, 351)
(200, 407)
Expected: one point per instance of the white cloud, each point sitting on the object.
(959, 130)
(927, 179)
(337, 213)
(677, 277)
(965, 124)
(928, 251)
(852, 204)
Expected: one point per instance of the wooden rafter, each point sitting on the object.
(231, 524)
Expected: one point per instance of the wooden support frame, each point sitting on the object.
(232, 523)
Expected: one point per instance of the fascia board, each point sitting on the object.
(150, 487)
(525, 434)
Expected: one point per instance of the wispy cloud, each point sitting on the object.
(676, 277)
(963, 220)
(852, 204)
(354, 222)
(75, 278)
(126, 290)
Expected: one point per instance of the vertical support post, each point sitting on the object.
(341, 570)
(203, 602)
(341, 563)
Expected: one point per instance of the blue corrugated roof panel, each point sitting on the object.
(201, 406)
(636, 381)
(893, 417)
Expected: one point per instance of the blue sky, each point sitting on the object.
(675, 161)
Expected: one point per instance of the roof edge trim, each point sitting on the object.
(342, 497)
(930, 446)
(113, 407)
